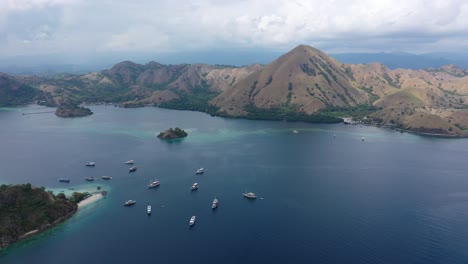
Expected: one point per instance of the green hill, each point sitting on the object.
(24, 209)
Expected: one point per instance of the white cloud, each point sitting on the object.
(54, 26)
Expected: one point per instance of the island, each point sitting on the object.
(172, 133)
(27, 210)
(72, 110)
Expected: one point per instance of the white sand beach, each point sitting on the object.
(94, 197)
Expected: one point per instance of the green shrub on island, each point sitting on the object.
(71, 109)
(77, 197)
(24, 208)
(287, 113)
(172, 133)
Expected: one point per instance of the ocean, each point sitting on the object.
(324, 195)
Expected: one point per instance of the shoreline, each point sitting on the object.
(92, 199)
(96, 196)
(435, 135)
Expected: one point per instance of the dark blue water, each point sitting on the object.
(394, 198)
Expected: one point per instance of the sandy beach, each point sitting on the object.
(94, 197)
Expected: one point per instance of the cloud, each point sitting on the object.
(86, 26)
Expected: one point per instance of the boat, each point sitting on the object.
(133, 168)
(91, 164)
(195, 186)
(250, 195)
(362, 139)
(89, 179)
(192, 221)
(129, 202)
(106, 177)
(148, 209)
(153, 184)
(200, 171)
(215, 203)
(130, 162)
(295, 131)
(64, 180)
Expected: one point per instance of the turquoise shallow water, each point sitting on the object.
(394, 198)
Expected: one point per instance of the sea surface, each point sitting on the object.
(324, 195)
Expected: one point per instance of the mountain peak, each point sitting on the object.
(304, 78)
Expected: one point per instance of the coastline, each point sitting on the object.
(92, 199)
(435, 135)
(222, 115)
(95, 196)
(34, 232)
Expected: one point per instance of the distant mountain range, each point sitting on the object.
(55, 64)
(404, 60)
(304, 84)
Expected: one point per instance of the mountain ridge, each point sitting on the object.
(304, 84)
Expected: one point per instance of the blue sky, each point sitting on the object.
(81, 29)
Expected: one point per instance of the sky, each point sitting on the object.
(85, 29)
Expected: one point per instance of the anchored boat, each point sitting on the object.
(250, 195)
(153, 184)
(129, 202)
(215, 203)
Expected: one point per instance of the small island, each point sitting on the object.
(27, 210)
(72, 110)
(172, 133)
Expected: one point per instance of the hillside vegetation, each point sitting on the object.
(13, 92)
(24, 208)
(304, 84)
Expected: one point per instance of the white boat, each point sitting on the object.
(195, 186)
(215, 203)
(148, 209)
(130, 162)
(91, 164)
(106, 177)
(89, 178)
(133, 168)
(192, 221)
(200, 171)
(295, 131)
(129, 202)
(250, 195)
(362, 139)
(153, 184)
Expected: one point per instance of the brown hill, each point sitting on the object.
(134, 84)
(305, 78)
(300, 85)
(427, 101)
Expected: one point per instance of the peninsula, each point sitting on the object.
(26, 210)
(172, 133)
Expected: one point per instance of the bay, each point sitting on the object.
(325, 196)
